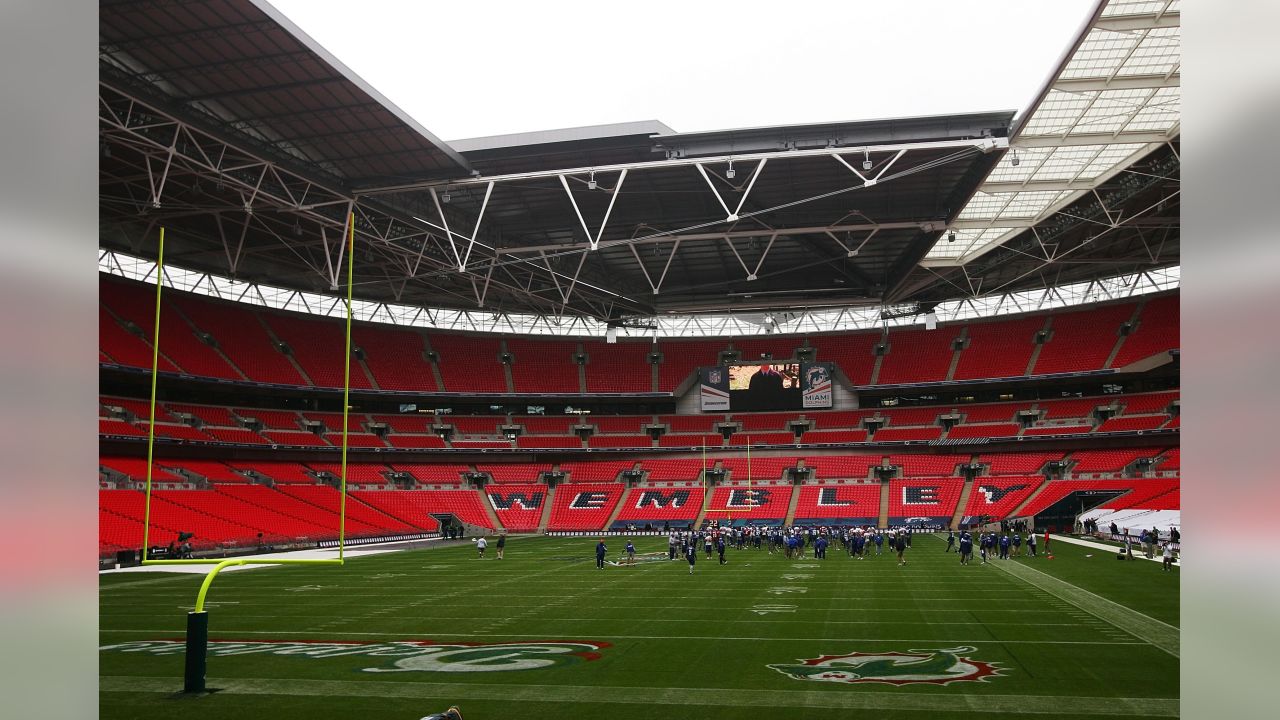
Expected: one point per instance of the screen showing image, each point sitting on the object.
(764, 387)
(785, 375)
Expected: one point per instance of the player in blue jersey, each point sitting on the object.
(601, 551)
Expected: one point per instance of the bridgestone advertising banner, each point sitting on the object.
(714, 389)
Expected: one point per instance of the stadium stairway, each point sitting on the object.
(546, 509)
(275, 340)
(488, 511)
(1137, 312)
(617, 509)
(884, 505)
(706, 501)
(1016, 511)
(964, 503)
(791, 508)
(1035, 353)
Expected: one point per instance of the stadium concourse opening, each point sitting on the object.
(618, 420)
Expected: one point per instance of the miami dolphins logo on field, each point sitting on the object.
(933, 667)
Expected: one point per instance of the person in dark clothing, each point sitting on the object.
(691, 554)
(720, 548)
(951, 541)
(601, 551)
(502, 544)
(966, 548)
(900, 545)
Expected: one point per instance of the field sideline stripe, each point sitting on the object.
(1155, 632)
(175, 632)
(778, 620)
(985, 703)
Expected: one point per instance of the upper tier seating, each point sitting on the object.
(1157, 332)
(681, 358)
(1132, 423)
(1001, 348)
(899, 434)
(917, 355)
(928, 465)
(1017, 463)
(543, 365)
(515, 472)
(136, 303)
(241, 337)
(1095, 461)
(1082, 340)
(621, 367)
(843, 467)
(853, 354)
(317, 345)
(396, 357)
(125, 348)
(989, 430)
(470, 363)
(434, 473)
(600, 471)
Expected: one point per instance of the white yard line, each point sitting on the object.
(708, 697)
(597, 636)
(1153, 631)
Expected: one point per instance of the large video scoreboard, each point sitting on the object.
(765, 386)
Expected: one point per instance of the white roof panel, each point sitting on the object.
(1114, 99)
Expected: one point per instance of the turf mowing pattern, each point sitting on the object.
(1071, 637)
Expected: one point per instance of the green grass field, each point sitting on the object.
(1070, 637)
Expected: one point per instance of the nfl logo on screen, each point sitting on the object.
(715, 376)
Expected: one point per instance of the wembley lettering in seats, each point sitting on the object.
(994, 494)
(526, 502)
(745, 497)
(589, 500)
(829, 497)
(927, 495)
(659, 499)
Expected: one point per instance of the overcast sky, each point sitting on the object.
(472, 68)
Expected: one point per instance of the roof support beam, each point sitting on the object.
(1077, 139)
(1145, 21)
(985, 144)
(1126, 82)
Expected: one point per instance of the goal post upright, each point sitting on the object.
(197, 640)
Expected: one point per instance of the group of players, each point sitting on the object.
(1001, 545)
(794, 543)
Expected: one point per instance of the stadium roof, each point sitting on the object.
(224, 123)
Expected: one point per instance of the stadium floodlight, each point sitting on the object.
(1013, 160)
(445, 196)
(730, 173)
(951, 236)
(866, 160)
(591, 182)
